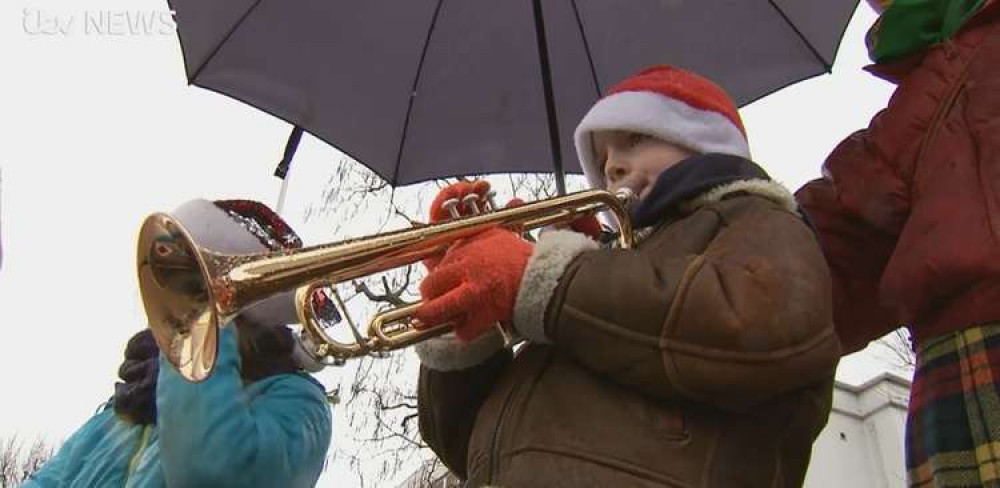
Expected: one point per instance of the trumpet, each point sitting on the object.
(189, 296)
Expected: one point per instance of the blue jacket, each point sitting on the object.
(217, 433)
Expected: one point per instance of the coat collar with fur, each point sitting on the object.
(703, 179)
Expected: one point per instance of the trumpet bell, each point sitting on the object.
(179, 304)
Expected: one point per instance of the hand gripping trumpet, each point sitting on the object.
(189, 292)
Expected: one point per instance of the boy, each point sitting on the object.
(703, 357)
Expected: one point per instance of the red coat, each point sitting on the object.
(908, 210)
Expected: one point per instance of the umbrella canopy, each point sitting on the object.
(422, 89)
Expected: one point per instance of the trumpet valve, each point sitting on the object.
(451, 206)
(471, 202)
(491, 204)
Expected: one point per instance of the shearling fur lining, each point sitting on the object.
(553, 252)
(447, 353)
(772, 190)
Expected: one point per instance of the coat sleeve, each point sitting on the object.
(857, 253)
(746, 319)
(60, 468)
(863, 200)
(449, 397)
(53, 472)
(213, 433)
(859, 208)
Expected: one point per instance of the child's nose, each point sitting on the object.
(615, 168)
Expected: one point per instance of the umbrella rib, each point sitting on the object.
(828, 66)
(413, 91)
(550, 100)
(218, 46)
(586, 48)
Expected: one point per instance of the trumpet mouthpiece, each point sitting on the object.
(627, 197)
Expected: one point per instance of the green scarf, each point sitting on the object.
(907, 26)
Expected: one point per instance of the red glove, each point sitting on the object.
(459, 191)
(476, 283)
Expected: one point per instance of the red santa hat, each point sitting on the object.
(245, 227)
(668, 103)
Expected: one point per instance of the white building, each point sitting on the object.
(861, 446)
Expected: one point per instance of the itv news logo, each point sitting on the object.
(111, 23)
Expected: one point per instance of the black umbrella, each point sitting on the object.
(421, 89)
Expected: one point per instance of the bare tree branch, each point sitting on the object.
(391, 294)
(412, 222)
(19, 462)
(900, 345)
(411, 406)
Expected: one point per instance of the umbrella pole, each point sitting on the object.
(285, 166)
(550, 102)
(281, 196)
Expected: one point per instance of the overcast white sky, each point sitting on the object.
(102, 130)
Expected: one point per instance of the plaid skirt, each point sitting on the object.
(953, 426)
